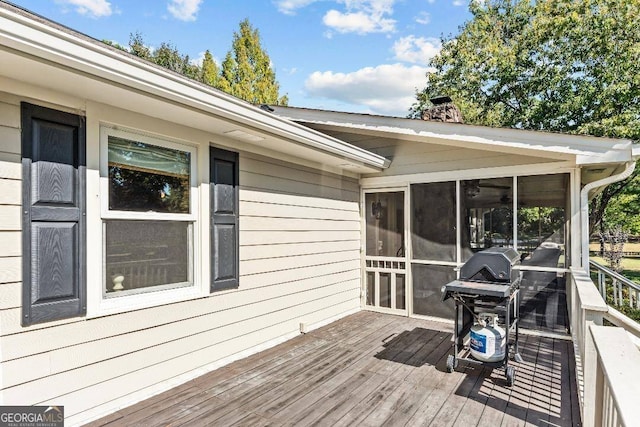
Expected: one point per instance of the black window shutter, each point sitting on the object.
(54, 219)
(225, 260)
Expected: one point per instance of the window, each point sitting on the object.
(486, 210)
(433, 221)
(149, 214)
(385, 224)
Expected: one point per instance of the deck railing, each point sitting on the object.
(607, 362)
(616, 373)
(622, 293)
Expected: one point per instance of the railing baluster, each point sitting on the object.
(618, 287)
(620, 296)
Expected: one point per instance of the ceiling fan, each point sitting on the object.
(472, 188)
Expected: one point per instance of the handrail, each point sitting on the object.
(586, 308)
(618, 284)
(614, 274)
(607, 361)
(632, 327)
(617, 370)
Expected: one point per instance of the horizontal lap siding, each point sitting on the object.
(10, 205)
(414, 157)
(299, 262)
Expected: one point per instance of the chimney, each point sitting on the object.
(442, 110)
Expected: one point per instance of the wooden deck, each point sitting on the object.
(370, 369)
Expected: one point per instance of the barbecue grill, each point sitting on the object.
(489, 283)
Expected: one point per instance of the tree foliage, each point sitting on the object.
(246, 71)
(552, 65)
(625, 211)
(209, 72)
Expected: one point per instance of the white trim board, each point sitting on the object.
(584, 149)
(517, 170)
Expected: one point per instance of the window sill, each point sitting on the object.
(125, 303)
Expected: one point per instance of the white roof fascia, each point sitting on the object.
(635, 150)
(26, 35)
(584, 149)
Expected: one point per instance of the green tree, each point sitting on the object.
(115, 44)
(169, 57)
(246, 69)
(624, 212)
(209, 72)
(553, 65)
(138, 48)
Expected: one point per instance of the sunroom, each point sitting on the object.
(454, 189)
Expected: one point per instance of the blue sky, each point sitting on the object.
(364, 56)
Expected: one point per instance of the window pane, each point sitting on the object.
(147, 254)
(486, 207)
(543, 204)
(427, 297)
(542, 219)
(144, 177)
(400, 287)
(433, 221)
(385, 290)
(371, 286)
(543, 301)
(385, 224)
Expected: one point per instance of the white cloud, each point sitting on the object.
(184, 10)
(423, 18)
(417, 50)
(459, 2)
(289, 7)
(358, 22)
(362, 17)
(92, 8)
(358, 16)
(387, 89)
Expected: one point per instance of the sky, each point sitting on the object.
(363, 56)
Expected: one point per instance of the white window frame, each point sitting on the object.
(120, 303)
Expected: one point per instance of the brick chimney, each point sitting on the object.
(442, 110)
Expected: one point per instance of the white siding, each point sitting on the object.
(10, 201)
(300, 262)
(410, 157)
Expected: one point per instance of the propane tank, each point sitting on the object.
(488, 340)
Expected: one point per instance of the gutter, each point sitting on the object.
(584, 206)
(35, 36)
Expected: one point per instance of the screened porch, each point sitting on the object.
(417, 236)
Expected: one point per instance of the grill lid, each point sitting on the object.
(491, 265)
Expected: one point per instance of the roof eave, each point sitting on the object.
(581, 149)
(23, 33)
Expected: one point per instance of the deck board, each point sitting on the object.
(370, 369)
